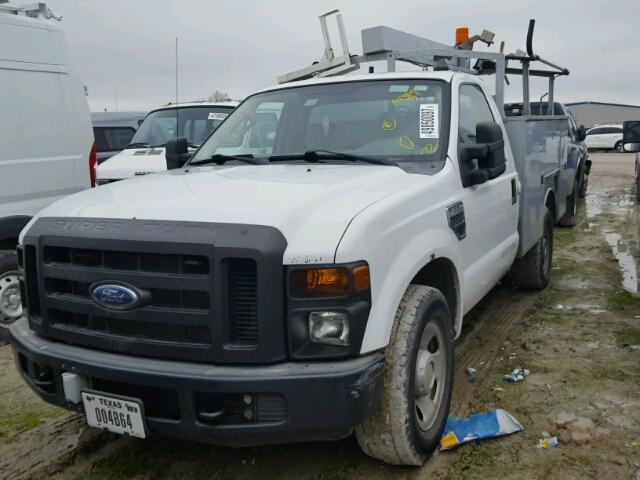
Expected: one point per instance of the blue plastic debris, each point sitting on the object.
(479, 426)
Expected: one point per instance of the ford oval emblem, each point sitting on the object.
(115, 296)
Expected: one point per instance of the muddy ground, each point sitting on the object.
(580, 339)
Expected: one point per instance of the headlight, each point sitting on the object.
(329, 328)
(327, 309)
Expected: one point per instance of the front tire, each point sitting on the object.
(418, 382)
(533, 270)
(10, 304)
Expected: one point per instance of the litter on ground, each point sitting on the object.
(480, 426)
(518, 375)
(548, 441)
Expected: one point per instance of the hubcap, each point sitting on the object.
(10, 304)
(430, 376)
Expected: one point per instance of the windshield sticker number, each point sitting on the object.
(429, 121)
(217, 116)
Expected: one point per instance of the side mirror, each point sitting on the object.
(177, 153)
(485, 159)
(631, 136)
(582, 133)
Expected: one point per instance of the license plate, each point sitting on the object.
(115, 414)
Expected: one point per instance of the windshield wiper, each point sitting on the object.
(138, 145)
(314, 156)
(220, 159)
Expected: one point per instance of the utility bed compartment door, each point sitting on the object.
(540, 148)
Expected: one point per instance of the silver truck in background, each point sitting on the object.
(631, 143)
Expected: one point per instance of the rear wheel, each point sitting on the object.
(569, 217)
(619, 147)
(533, 270)
(418, 382)
(10, 304)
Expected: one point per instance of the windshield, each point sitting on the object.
(401, 120)
(194, 123)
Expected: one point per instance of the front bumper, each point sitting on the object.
(289, 402)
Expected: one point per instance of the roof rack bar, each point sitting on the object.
(35, 10)
(389, 45)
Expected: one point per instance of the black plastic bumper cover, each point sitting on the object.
(323, 400)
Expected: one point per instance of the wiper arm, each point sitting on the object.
(314, 156)
(137, 145)
(221, 159)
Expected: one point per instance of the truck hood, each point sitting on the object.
(132, 162)
(311, 205)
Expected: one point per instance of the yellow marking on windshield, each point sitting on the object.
(428, 149)
(406, 143)
(389, 124)
(412, 94)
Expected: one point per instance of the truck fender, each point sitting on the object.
(400, 272)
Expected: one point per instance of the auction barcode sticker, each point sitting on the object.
(429, 121)
(217, 116)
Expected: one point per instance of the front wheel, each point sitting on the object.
(533, 270)
(10, 304)
(418, 382)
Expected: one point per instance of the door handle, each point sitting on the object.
(514, 191)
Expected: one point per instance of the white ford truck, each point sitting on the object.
(302, 282)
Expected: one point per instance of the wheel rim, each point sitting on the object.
(430, 374)
(10, 304)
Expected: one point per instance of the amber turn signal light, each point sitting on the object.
(320, 282)
(329, 281)
(361, 280)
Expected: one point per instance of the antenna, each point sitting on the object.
(177, 109)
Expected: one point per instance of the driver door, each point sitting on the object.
(491, 208)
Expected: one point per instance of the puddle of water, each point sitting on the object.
(626, 261)
(594, 205)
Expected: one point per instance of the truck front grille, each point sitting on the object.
(210, 293)
(155, 331)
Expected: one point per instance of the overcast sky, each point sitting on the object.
(239, 46)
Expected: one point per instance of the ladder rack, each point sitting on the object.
(391, 46)
(34, 10)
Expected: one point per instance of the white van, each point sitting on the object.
(146, 154)
(46, 141)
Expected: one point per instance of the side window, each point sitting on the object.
(474, 109)
(256, 132)
(595, 131)
(109, 139)
(573, 128)
(118, 138)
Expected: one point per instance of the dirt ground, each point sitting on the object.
(580, 339)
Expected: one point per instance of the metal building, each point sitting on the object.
(596, 113)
